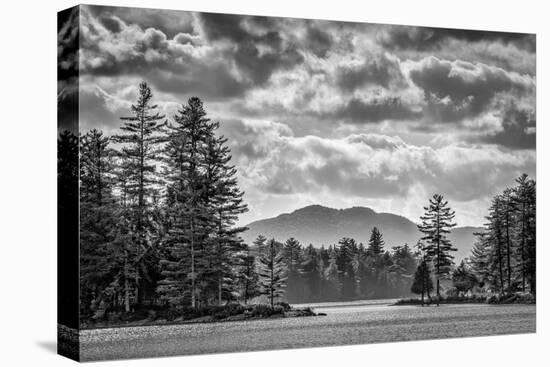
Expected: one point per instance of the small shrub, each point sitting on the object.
(286, 307)
(234, 309)
(169, 314)
(262, 310)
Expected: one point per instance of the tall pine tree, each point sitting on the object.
(525, 199)
(271, 272)
(436, 224)
(140, 139)
(97, 218)
(190, 219)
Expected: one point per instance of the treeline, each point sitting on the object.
(504, 257)
(342, 272)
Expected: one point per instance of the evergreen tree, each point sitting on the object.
(422, 282)
(346, 254)
(508, 223)
(292, 252)
(435, 226)
(402, 269)
(96, 170)
(525, 199)
(271, 272)
(190, 217)
(223, 196)
(479, 259)
(463, 278)
(260, 242)
(248, 277)
(497, 254)
(140, 139)
(97, 220)
(375, 251)
(376, 243)
(311, 271)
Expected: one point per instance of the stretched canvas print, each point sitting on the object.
(233, 183)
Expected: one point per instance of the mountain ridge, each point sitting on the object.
(324, 226)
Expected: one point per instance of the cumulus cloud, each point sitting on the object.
(368, 165)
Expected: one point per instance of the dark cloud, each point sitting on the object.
(425, 38)
(224, 27)
(318, 41)
(254, 63)
(111, 24)
(518, 130)
(259, 67)
(458, 90)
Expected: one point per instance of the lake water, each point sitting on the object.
(346, 323)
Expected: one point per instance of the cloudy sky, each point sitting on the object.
(331, 113)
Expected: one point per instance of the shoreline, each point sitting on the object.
(210, 319)
(513, 299)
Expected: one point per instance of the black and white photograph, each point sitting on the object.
(233, 183)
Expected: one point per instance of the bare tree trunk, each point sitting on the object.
(500, 268)
(438, 257)
(508, 262)
(126, 286)
(220, 270)
(193, 300)
(220, 279)
(271, 285)
(523, 247)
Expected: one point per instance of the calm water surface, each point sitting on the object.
(346, 323)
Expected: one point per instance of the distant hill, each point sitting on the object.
(320, 225)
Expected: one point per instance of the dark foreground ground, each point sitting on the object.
(345, 323)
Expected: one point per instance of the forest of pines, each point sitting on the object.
(159, 203)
